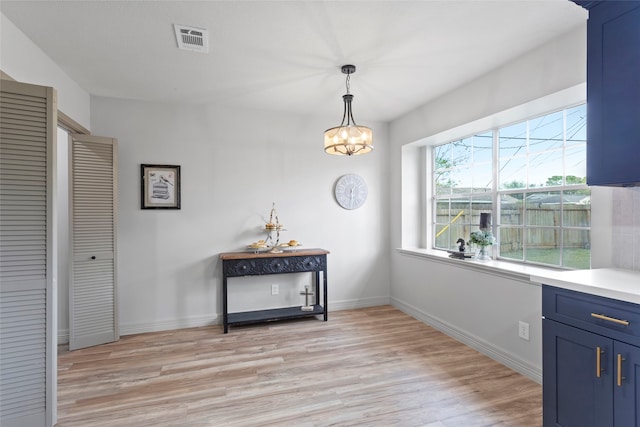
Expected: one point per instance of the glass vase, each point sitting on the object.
(482, 254)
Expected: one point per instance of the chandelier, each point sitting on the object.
(348, 139)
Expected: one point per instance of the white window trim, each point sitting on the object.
(496, 192)
(416, 173)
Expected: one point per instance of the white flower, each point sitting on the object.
(482, 238)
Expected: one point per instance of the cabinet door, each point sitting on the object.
(626, 387)
(27, 306)
(613, 90)
(577, 377)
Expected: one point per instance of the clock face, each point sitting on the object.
(351, 191)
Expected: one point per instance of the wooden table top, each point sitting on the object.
(266, 254)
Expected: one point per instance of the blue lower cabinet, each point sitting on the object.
(626, 388)
(574, 395)
(591, 360)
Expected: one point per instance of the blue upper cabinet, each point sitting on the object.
(613, 92)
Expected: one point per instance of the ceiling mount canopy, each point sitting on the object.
(348, 139)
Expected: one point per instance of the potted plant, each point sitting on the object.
(482, 239)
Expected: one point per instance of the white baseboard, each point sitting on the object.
(164, 325)
(216, 319)
(170, 324)
(358, 303)
(477, 343)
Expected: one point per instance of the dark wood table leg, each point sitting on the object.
(326, 299)
(225, 314)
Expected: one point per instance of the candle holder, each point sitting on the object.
(273, 226)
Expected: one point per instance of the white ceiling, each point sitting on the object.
(286, 55)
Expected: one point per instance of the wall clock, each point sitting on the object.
(351, 191)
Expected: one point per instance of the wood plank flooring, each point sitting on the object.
(367, 367)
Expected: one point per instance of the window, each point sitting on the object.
(531, 176)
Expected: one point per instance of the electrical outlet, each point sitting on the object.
(275, 289)
(523, 330)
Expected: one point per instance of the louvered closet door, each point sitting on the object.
(92, 289)
(27, 340)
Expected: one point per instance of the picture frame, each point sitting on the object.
(160, 186)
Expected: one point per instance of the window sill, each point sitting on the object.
(507, 269)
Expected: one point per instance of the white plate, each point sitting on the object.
(288, 247)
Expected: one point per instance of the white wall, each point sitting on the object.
(234, 164)
(479, 308)
(23, 61)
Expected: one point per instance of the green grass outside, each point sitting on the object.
(573, 257)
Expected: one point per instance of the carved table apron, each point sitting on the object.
(237, 264)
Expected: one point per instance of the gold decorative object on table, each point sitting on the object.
(272, 242)
(271, 226)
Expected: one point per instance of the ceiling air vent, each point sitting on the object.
(191, 38)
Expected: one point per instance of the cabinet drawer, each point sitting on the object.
(274, 265)
(613, 318)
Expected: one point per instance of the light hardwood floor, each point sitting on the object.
(372, 367)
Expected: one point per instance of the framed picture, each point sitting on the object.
(160, 186)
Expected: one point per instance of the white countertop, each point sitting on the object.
(613, 283)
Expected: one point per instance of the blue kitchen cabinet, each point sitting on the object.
(591, 360)
(613, 92)
(626, 389)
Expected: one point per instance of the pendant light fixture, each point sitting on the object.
(348, 139)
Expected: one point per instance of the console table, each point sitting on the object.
(237, 264)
